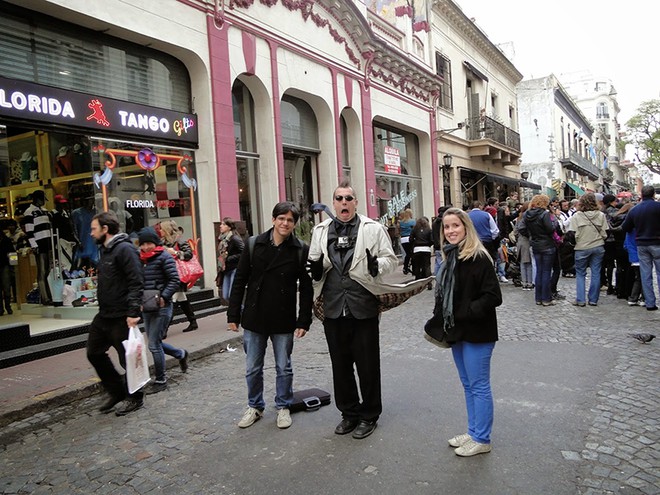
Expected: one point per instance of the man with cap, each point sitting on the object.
(119, 294)
(38, 232)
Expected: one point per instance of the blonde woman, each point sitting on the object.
(170, 234)
(466, 297)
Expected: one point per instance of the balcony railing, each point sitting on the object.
(581, 165)
(488, 128)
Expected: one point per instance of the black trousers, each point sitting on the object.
(353, 342)
(103, 334)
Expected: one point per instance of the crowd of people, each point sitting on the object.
(340, 276)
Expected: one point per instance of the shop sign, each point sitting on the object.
(391, 160)
(29, 101)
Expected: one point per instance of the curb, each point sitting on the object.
(91, 387)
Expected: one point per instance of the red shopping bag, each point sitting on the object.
(189, 271)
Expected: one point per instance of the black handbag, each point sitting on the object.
(150, 300)
(310, 399)
(436, 334)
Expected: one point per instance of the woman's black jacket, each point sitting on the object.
(234, 249)
(476, 295)
(160, 273)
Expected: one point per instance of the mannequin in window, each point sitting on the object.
(87, 253)
(29, 168)
(38, 231)
(125, 218)
(81, 158)
(63, 225)
(64, 162)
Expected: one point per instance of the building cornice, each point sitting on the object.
(452, 13)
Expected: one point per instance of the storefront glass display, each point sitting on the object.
(396, 161)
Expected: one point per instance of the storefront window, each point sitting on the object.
(145, 184)
(396, 160)
(247, 158)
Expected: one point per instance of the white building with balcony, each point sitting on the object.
(557, 139)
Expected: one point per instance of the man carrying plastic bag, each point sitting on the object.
(119, 294)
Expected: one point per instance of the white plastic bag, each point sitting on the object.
(137, 367)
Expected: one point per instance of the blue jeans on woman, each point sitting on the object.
(592, 258)
(227, 282)
(473, 365)
(544, 260)
(155, 324)
(255, 345)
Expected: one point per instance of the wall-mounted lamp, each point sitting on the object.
(447, 161)
(524, 175)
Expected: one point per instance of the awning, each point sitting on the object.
(578, 190)
(529, 185)
(502, 178)
(475, 71)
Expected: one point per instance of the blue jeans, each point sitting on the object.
(649, 256)
(592, 258)
(227, 282)
(155, 324)
(255, 345)
(473, 365)
(544, 260)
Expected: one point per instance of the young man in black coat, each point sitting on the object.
(272, 271)
(119, 294)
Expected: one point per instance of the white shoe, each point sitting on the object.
(503, 279)
(250, 417)
(471, 448)
(459, 440)
(283, 418)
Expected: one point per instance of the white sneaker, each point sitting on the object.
(250, 417)
(283, 418)
(459, 440)
(471, 448)
(503, 279)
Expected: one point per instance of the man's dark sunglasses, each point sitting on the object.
(347, 198)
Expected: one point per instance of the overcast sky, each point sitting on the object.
(617, 40)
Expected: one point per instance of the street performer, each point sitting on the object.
(348, 256)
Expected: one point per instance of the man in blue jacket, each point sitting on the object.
(119, 294)
(645, 219)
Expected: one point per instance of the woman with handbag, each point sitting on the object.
(590, 227)
(230, 247)
(161, 281)
(468, 293)
(170, 233)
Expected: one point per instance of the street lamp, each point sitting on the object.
(447, 161)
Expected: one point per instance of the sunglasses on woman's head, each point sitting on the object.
(347, 198)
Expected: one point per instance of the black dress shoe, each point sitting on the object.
(183, 362)
(364, 429)
(346, 426)
(109, 405)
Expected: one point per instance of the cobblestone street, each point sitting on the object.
(577, 409)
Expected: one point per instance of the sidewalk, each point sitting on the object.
(29, 388)
(32, 387)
